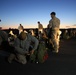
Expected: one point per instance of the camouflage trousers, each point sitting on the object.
(55, 39)
(17, 57)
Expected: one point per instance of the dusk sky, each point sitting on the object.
(28, 12)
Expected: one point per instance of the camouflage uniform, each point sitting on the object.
(22, 48)
(54, 24)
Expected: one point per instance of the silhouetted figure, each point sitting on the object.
(3, 36)
(36, 32)
(66, 35)
(4, 44)
(48, 31)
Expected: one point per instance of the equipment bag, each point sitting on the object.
(42, 53)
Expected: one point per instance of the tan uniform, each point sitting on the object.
(55, 25)
(40, 28)
(20, 28)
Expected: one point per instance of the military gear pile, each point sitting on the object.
(40, 55)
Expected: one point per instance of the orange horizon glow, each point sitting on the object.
(31, 26)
